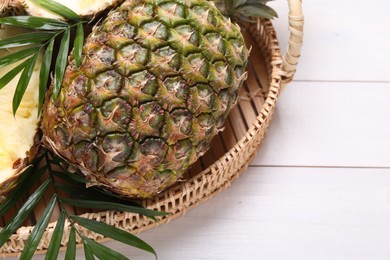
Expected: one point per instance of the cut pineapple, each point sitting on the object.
(16, 132)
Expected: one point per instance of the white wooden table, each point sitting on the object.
(320, 186)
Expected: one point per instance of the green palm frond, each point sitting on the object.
(68, 191)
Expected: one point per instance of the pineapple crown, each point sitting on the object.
(245, 10)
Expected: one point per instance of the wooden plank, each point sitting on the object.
(282, 213)
(344, 40)
(330, 124)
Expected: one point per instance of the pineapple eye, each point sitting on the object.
(171, 14)
(152, 35)
(155, 148)
(117, 147)
(131, 58)
(116, 111)
(184, 39)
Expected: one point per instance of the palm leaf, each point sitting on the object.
(61, 62)
(32, 22)
(114, 233)
(88, 251)
(23, 82)
(25, 39)
(23, 213)
(17, 56)
(44, 74)
(101, 251)
(55, 243)
(71, 248)
(36, 234)
(78, 43)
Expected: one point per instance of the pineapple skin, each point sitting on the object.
(155, 85)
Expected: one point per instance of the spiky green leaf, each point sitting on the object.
(23, 213)
(237, 3)
(25, 39)
(245, 10)
(55, 242)
(17, 56)
(32, 22)
(101, 251)
(37, 232)
(44, 74)
(61, 62)
(23, 82)
(57, 8)
(78, 43)
(114, 233)
(257, 10)
(71, 248)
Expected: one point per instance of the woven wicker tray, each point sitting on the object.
(230, 153)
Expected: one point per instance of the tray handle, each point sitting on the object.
(293, 53)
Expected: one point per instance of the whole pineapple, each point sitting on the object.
(155, 85)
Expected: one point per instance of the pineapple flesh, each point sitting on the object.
(155, 85)
(82, 8)
(17, 133)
